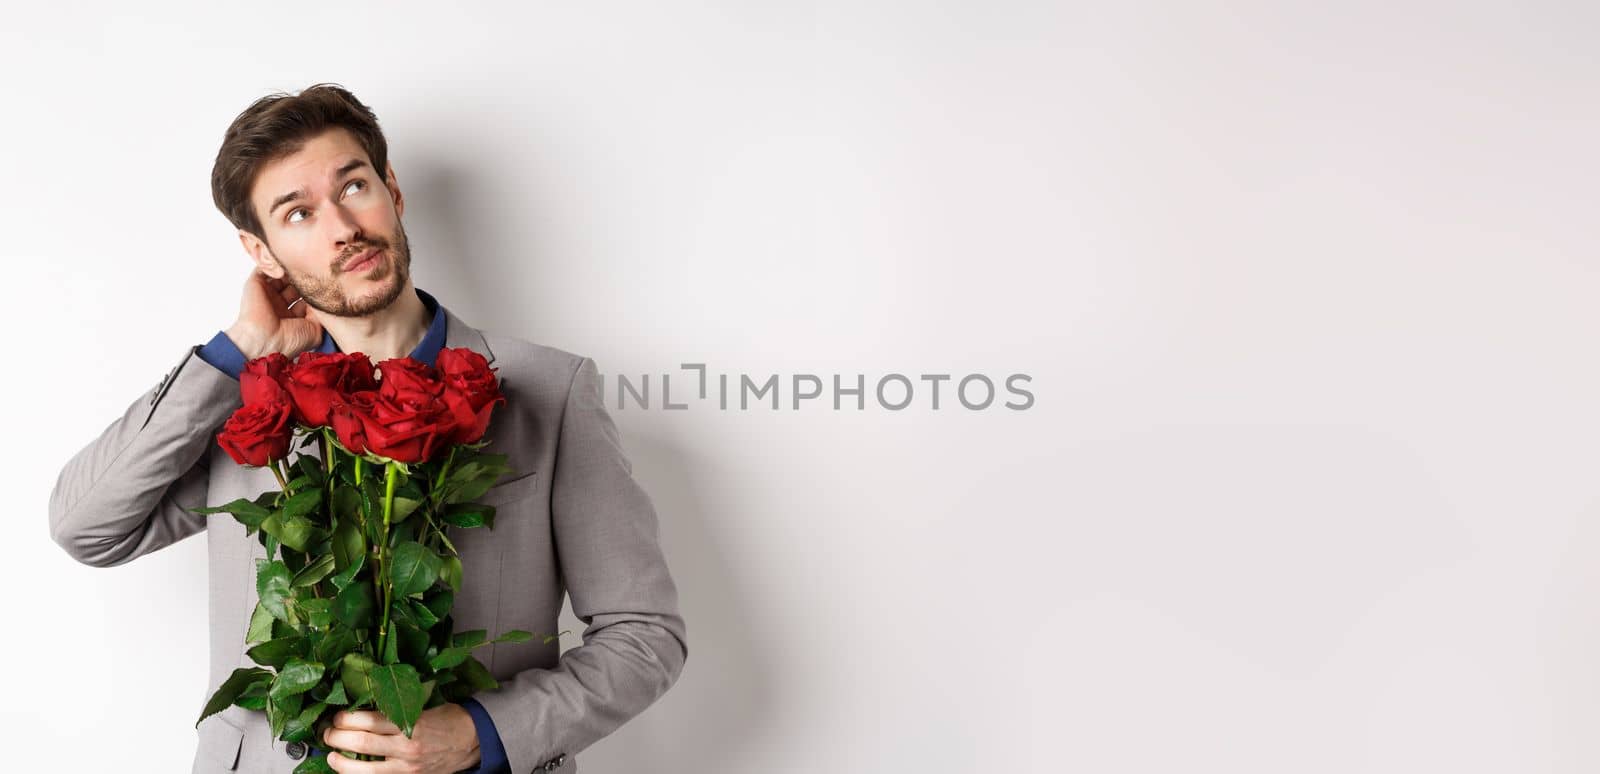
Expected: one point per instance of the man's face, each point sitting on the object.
(322, 210)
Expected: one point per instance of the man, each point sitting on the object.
(307, 182)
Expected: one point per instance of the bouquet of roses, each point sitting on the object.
(356, 590)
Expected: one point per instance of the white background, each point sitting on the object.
(1306, 291)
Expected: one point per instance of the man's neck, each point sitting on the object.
(390, 333)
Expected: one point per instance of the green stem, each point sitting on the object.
(439, 482)
(433, 500)
(327, 478)
(282, 482)
(377, 572)
(390, 470)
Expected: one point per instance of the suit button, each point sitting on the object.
(296, 750)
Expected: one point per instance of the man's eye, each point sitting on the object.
(290, 217)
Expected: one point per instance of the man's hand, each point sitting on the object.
(444, 741)
(267, 324)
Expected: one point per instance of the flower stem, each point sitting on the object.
(390, 470)
(283, 482)
(439, 482)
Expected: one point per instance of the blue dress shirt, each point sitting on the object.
(223, 353)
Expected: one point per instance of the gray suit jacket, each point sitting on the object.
(569, 519)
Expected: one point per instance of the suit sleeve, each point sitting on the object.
(125, 494)
(635, 642)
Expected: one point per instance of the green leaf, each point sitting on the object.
(315, 764)
(315, 571)
(475, 674)
(334, 645)
(276, 653)
(356, 675)
(462, 643)
(231, 689)
(300, 727)
(319, 612)
(391, 646)
(337, 695)
(469, 481)
(295, 678)
(255, 697)
(309, 466)
(515, 635)
(272, 586)
(422, 615)
(260, 625)
(302, 503)
(348, 543)
(400, 695)
(298, 532)
(347, 504)
(440, 603)
(413, 643)
(349, 573)
(281, 710)
(401, 508)
(464, 472)
(353, 605)
(293, 531)
(242, 509)
(469, 515)
(450, 572)
(448, 658)
(415, 568)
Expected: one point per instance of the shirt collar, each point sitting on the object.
(428, 349)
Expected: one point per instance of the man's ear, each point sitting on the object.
(260, 255)
(394, 189)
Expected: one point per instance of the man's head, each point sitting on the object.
(299, 176)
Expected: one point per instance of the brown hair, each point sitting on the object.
(278, 125)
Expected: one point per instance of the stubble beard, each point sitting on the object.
(327, 295)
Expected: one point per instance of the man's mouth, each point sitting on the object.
(362, 263)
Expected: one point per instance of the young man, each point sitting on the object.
(306, 180)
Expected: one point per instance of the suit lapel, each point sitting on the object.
(458, 334)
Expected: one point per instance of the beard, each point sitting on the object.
(392, 270)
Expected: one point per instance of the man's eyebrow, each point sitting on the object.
(348, 167)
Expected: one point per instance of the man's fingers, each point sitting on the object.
(345, 765)
(387, 745)
(364, 720)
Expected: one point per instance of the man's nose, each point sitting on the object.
(346, 228)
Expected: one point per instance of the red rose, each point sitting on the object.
(262, 378)
(319, 379)
(345, 417)
(471, 390)
(402, 374)
(258, 432)
(408, 426)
